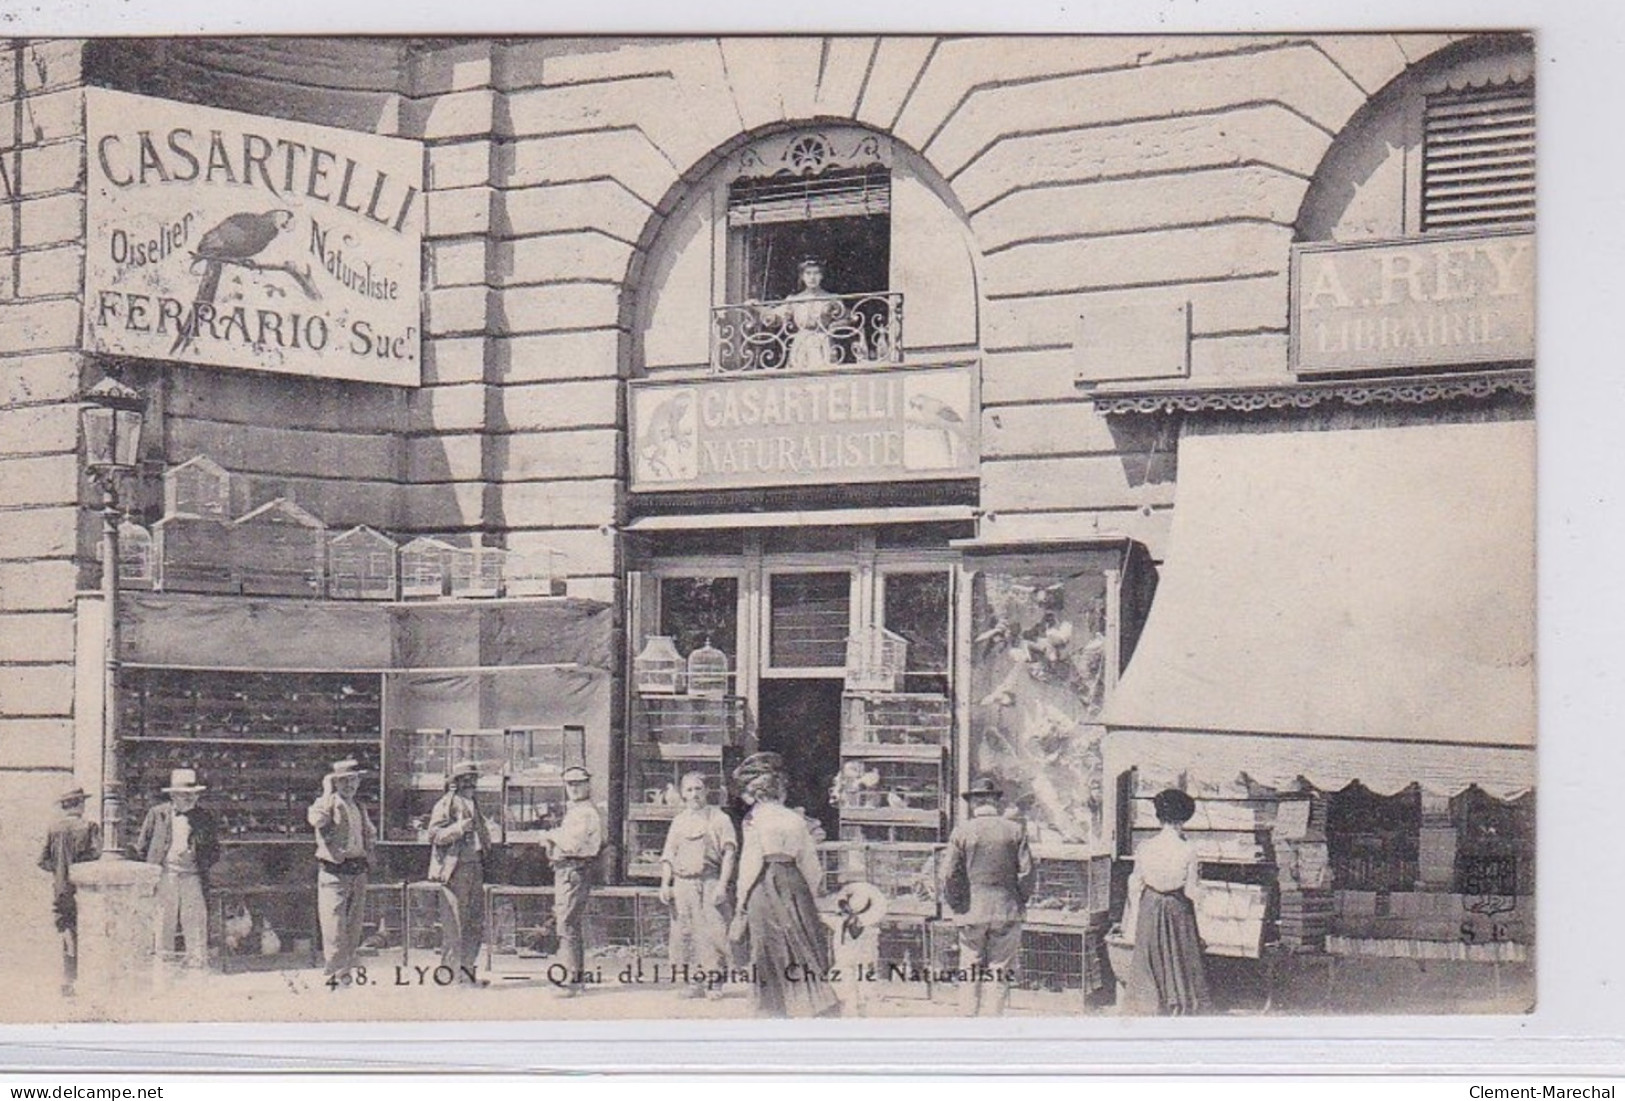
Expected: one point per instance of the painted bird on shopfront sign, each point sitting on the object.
(236, 240)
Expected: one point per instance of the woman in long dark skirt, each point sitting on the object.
(778, 864)
(1166, 975)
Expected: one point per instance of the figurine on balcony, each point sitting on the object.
(812, 311)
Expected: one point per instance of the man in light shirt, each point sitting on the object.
(459, 841)
(180, 837)
(573, 847)
(345, 840)
(696, 867)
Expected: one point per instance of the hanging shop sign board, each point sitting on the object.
(805, 429)
(1436, 301)
(232, 240)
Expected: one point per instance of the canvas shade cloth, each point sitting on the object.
(1348, 584)
(1197, 761)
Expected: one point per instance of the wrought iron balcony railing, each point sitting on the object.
(808, 332)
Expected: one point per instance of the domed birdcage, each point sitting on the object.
(708, 672)
(658, 667)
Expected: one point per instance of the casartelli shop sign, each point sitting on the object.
(804, 429)
(1433, 301)
(232, 240)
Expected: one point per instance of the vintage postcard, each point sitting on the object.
(747, 527)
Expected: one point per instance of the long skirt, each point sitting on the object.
(787, 946)
(1166, 976)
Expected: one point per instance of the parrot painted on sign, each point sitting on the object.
(236, 240)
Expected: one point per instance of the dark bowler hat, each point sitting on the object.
(1173, 806)
(983, 787)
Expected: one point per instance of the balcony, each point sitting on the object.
(807, 333)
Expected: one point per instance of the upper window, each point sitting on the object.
(1478, 157)
(809, 254)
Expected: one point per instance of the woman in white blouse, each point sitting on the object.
(778, 867)
(1166, 975)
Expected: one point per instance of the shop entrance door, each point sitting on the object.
(801, 720)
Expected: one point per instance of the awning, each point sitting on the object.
(1211, 763)
(1372, 583)
(832, 517)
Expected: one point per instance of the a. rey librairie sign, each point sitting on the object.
(804, 428)
(233, 240)
(1421, 302)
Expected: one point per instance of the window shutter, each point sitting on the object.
(1478, 158)
(838, 194)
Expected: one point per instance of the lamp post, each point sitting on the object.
(110, 420)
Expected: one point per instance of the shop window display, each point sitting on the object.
(1038, 681)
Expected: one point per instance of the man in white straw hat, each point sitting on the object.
(345, 841)
(70, 840)
(181, 838)
(459, 842)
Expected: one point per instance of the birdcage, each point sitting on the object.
(279, 549)
(842, 862)
(383, 921)
(361, 565)
(521, 937)
(902, 719)
(424, 566)
(199, 487)
(264, 927)
(612, 926)
(875, 660)
(654, 928)
(658, 667)
(688, 720)
(907, 874)
(477, 571)
(193, 554)
(535, 571)
(424, 900)
(1068, 888)
(656, 782)
(708, 672)
(135, 556)
(871, 783)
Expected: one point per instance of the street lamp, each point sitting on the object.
(110, 421)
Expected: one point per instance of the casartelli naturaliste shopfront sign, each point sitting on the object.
(233, 240)
(807, 428)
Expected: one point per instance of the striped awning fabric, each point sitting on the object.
(1478, 158)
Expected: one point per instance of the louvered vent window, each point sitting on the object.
(1478, 158)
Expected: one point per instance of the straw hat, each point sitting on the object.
(184, 779)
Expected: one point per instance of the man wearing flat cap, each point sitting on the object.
(70, 840)
(989, 851)
(573, 847)
(345, 841)
(459, 841)
(182, 839)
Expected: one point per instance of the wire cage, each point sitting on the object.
(477, 571)
(654, 782)
(875, 660)
(688, 720)
(900, 718)
(1068, 889)
(645, 840)
(888, 834)
(612, 926)
(880, 783)
(520, 928)
(908, 875)
(422, 923)
(842, 862)
(266, 927)
(654, 929)
(383, 921)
